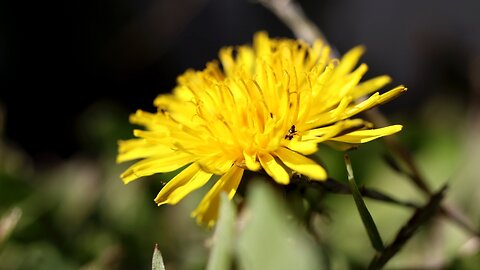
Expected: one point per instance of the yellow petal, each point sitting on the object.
(188, 180)
(395, 92)
(333, 130)
(140, 148)
(216, 164)
(349, 61)
(319, 77)
(275, 170)
(261, 44)
(250, 161)
(301, 164)
(207, 210)
(155, 136)
(374, 100)
(363, 136)
(329, 117)
(226, 58)
(156, 164)
(143, 118)
(349, 85)
(304, 147)
(370, 86)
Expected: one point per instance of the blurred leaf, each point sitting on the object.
(221, 254)
(8, 223)
(270, 238)
(468, 256)
(101, 126)
(13, 189)
(132, 211)
(109, 258)
(367, 219)
(157, 260)
(41, 255)
(84, 177)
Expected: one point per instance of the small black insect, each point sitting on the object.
(291, 132)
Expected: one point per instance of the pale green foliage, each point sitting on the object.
(224, 238)
(271, 238)
(157, 260)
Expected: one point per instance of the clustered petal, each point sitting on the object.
(264, 106)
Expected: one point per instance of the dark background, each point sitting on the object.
(57, 59)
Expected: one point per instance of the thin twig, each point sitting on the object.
(338, 187)
(447, 210)
(420, 217)
(293, 16)
(460, 219)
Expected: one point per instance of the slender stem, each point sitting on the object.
(293, 16)
(338, 187)
(420, 217)
(367, 219)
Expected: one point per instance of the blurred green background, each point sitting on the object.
(72, 72)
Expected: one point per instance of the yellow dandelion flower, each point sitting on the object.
(264, 106)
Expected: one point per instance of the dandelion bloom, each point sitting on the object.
(264, 106)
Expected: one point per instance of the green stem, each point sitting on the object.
(367, 219)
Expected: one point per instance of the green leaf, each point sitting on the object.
(221, 254)
(269, 236)
(8, 222)
(157, 260)
(367, 219)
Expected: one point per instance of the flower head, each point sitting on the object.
(261, 107)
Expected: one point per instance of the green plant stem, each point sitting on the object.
(367, 219)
